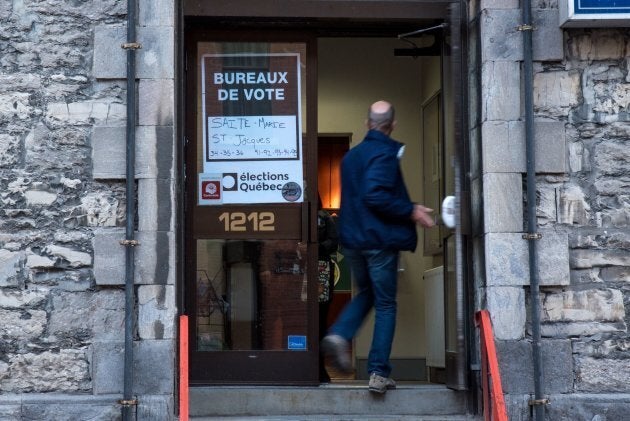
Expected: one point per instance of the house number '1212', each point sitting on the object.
(240, 221)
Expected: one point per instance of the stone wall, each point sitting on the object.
(582, 135)
(62, 206)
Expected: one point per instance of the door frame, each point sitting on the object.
(344, 18)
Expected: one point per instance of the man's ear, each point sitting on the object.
(367, 123)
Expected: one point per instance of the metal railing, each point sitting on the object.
(493, 401)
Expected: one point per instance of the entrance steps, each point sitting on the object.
(347, 402)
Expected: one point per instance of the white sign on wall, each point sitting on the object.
(594, 13)
(252, 148)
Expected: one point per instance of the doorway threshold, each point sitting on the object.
(348, 398)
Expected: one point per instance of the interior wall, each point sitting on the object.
(352, 74)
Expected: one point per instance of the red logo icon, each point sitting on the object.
(210, 190)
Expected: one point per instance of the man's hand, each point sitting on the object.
(422, 215)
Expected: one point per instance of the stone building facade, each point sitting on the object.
(62, 195)
(581, 128)
(62, 160)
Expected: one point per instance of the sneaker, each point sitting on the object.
(337, 350)
(380, 384)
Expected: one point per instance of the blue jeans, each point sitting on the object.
(375, 275)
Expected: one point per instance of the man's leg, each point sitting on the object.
(383, 272)
(336, 344)
(351, 318)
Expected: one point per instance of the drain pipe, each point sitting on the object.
(538, 403)
(129, 403)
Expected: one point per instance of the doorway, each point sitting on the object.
(348, 82)
(339, 82)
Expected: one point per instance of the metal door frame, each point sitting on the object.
(322, 17)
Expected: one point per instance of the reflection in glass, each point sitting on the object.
(251, 294)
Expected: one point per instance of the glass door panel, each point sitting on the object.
(250, 257)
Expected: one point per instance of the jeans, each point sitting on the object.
(375, 275)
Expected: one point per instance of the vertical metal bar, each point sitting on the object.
(531, 208)
(127, 408)
(183, 368)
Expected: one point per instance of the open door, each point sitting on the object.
(454, 76)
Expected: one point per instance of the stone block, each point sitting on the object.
(611, 187)
(507, 311)
(503, 202)
(85, 113)
(16, 298)
(159, 152)
(584, 259)
(11, 263)
(108, 152)
(108, 367)
(156, 102)
(551, 155)
(611, 158)
(156, 13)
(62, 371)
(154, 258)
(517, 366)
(615, 274)
(498, 4)
(499, 35)
(73, 258)
(503, 41)
(88, 315)
(155, 204)
(157, 312)
(594, 305)
(547, 38)
(503, 146)
(573, 209)
(556, 92)
(607, 44)
(155, 60)
(155, 408)
(547, 206)
(154, 372)
(10, 150)
(103, 209)
(22, 324)
(10, 412)
(602, 374)
(500, 90)
(57, 406)
(35, 261)
(154, 367)
(506, 259)
(40, 197)
(578, 157)
(553, 258)
(154, 152)
(588, 407)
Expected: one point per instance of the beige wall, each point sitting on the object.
(353, 73)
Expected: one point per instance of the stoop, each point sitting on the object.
(351, 401)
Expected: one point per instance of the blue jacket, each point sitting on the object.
(375, 206)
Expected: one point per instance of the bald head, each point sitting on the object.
(381, 117)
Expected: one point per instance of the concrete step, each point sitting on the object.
(346, 418)
(348, 402)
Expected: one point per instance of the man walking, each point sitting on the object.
(376, 221)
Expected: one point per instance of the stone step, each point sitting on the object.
(373, 417)
(349, 402)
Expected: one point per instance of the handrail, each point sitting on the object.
(493, 401)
